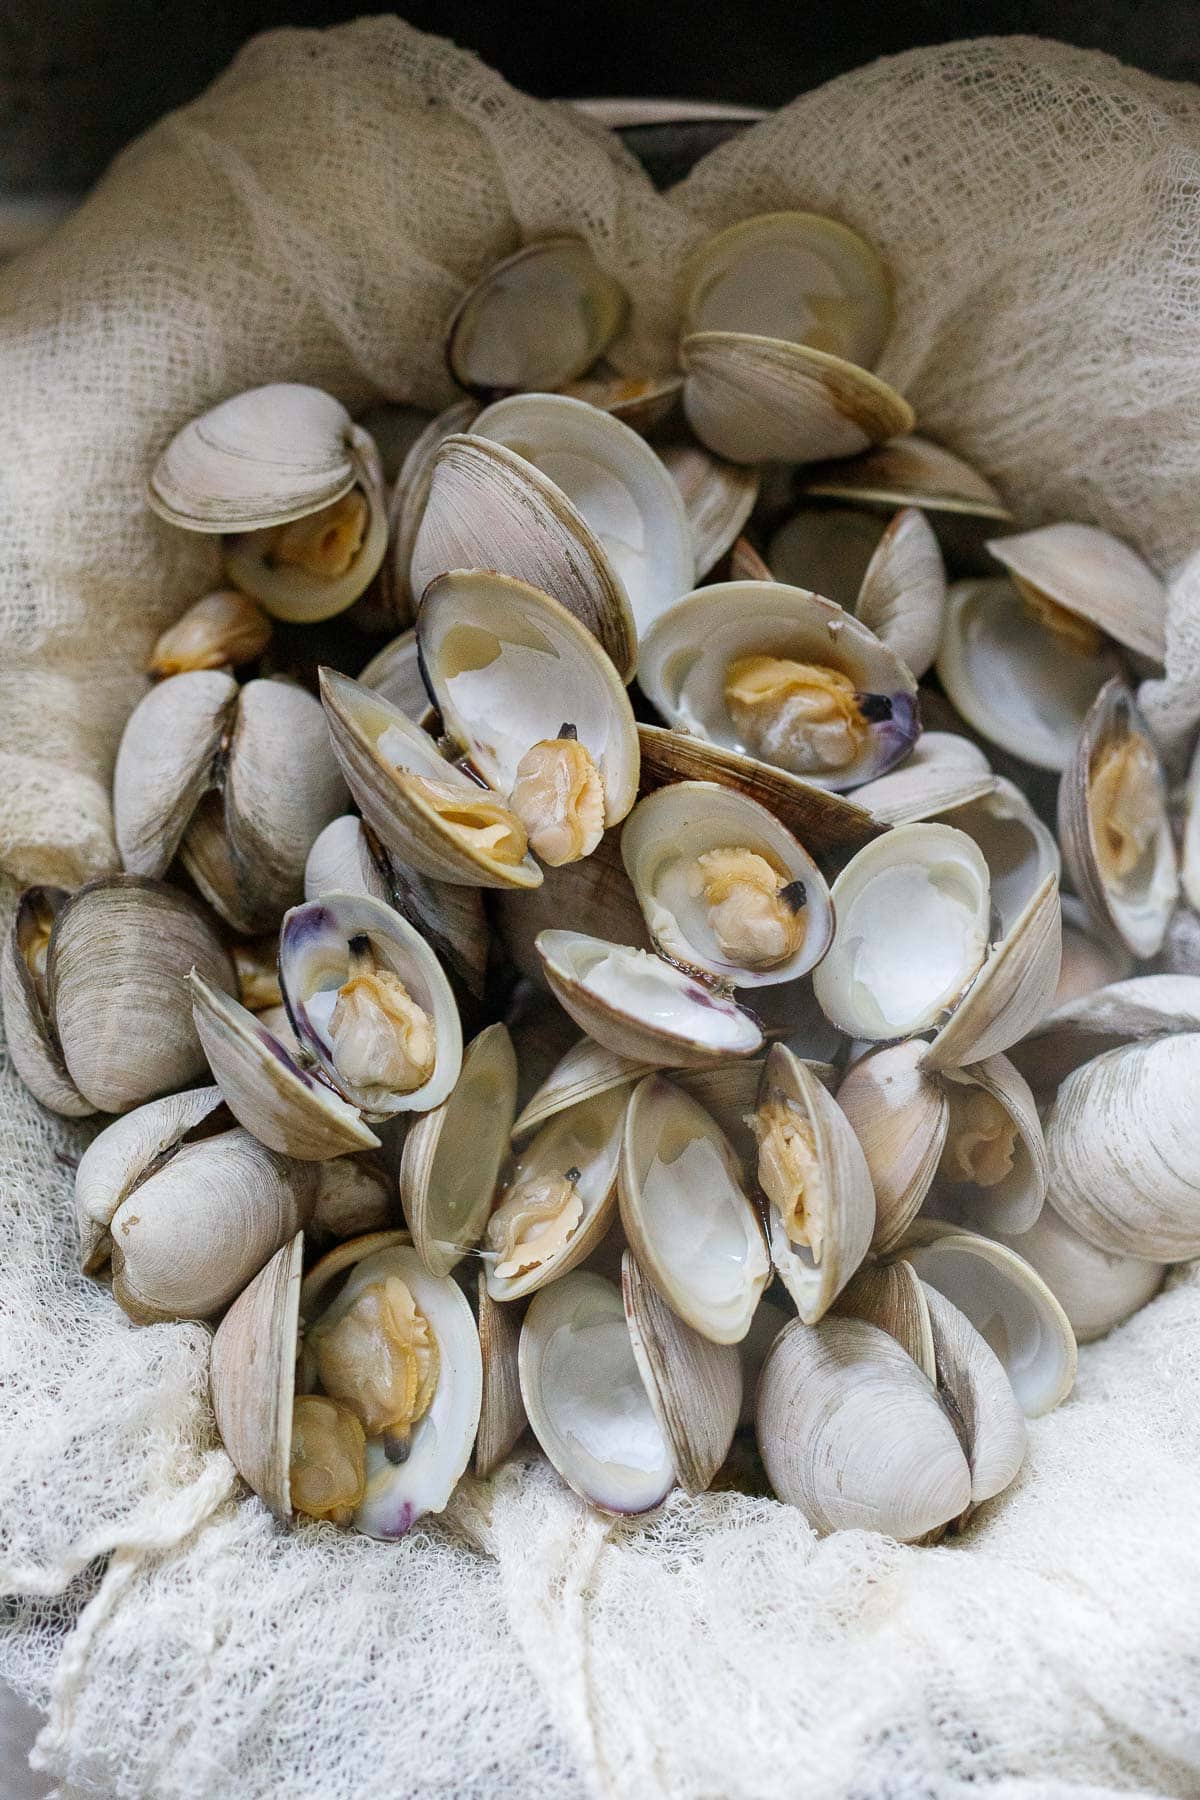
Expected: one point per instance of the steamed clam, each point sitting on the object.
(537, 319)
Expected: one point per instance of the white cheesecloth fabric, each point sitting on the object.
(314, 217)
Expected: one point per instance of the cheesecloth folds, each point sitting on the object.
(314, 217)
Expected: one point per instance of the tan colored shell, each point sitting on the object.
(718, 497)
(909, 471)
(643, 402)
(1012, 991)
(502, 1413)
(569, 309)
(221, 630)
(28, 1027)
(595, 894)
(1093, 575)
(900, 1115)
(118, 962)
(586, 1070)
(252, 1377)
(695, 1386)
(406, 508)
(891, 1296)
(755, 399)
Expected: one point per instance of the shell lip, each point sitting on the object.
(526, 253)
(551, 943)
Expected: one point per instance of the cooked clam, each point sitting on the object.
(900, 1114)
(536, 320)
(221, 630)
(452, 1155)
(782, 675)
(1082, 582)
(993, 1163)
(718, 498)
(961, 504)
(694, 1385)
(24, 992)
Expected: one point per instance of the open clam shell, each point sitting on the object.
(28, 1025)
(337, 560)
(1114, 825)
(639, 1006)
(1013, 989)
(452, 1155)
(849, 713)
(502, 1412)
(961, 504)
(267, 1088)
(585, 1398)
(694, 1386)
(811, 1167)
(912, 930)
(535, 320)
(489, 507)
(1126, 1012)
(827, 549)
(509, 668)
(643, 402)
(1009, 1305)
(994, 1165)
(1011, 678)
(900, 1114)
(756, 399)
(724, 888)
(718, 498)
(327, 948)
(853, 1433)
(406, 509)
(1124, 1153)
(594, 893)
(1093, 576)
(388, 763)
(616, 482)
(559, 1198)
(686, 1214)
(1019, 849)
(586, 1070)
(116, 970)
(793, 275)
(1097, 1289)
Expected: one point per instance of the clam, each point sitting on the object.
(796, 276)
(926, 788)
(993, 1164)
(1011, 992)
(959, 502)
(585, 1071)
(724, 888)
(395, 674)
(347, 857)
(489, 507)
(718, 498)
(595, 894)
(1009, 1305)
(1023, 683)
(1075, 1032)
(827, 549)
(375, 1425)
(643, 402)
(1019, 849)
(185, 1219)
(853, 1433)
(295, 487)
(900, 1114)
(424, 810)
(1090, 959)
(617, 484)
(975, 1384)
(24, 992)
(755, 399)
(221, 630)
(891, 1295)
(452, 1154)
(354, 1195)
(536, 704)
(237, 781)
(502, 1410)
(406, 509)
(586, 1400)
(639, 1006)
(687, 1216)
(1123, 1149)
(814, 1174)
(537, 319)
(117, 1002)
(782, 675)
(558, 1199)
(1084, 581)
(1113, 824)
(1097, 1289)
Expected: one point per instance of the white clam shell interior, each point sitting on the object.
(642, 987)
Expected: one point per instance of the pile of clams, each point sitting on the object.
(600, 1011)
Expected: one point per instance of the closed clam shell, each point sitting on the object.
(686, 657)
(617, 484)
(973, 1377)
(1097, 1289)
(639, 1006)
(663, 844)
(1125, 1012)
(820, 1247)
(378, 748)
(406, 508)
(120, 1155)
(694, 1386)
(502, 1411)
(718, 498)
(794, 275)
(1114, 825)
(1093, 575)
(970, 1178)
(585, 1398)
(536, 319)
(892, 1296)
(852, 1432)
(1124, 1152)
(221, 630)
(1009, 676)
(489, 507)
(166, 761)
(118, 961)
(266, 1086)
(1007, 1302)
(252, 1377)
(578, 1147)
(508, 667)
(755, 399)
(317, 946)
(28, 1027)
(900, 1115)
(687, 1215)
(452, 1154)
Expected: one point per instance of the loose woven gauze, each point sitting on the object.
(314, 217)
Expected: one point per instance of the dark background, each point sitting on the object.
(80, 77)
